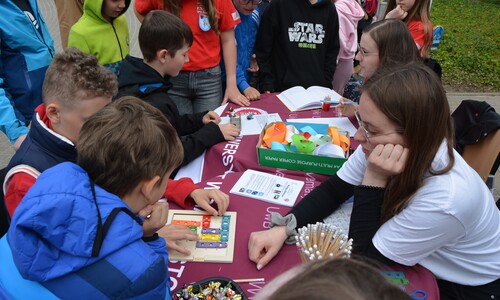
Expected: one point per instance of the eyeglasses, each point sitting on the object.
(363, 53)
(367, 134)
(245, 2)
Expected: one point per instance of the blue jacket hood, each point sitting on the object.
(55, 228)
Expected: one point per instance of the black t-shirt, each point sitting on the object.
(25, 6)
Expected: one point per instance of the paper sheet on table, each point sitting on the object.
(342, 122)
(268, 187)
(254, 125)
(192, 170)
(219, 110)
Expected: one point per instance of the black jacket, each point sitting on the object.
(140, 80)
(297, 44)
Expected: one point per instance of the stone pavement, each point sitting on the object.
(50, 15)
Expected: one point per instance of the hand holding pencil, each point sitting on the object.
(346, 107)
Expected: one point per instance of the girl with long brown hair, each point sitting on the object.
(415, 13)
(416, 201)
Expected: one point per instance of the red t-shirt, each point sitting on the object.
(205, 52)
(416, 28)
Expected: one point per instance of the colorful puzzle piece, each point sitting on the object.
(211, 245)
(210, 237)
(210, 230)
(217, 236)
(187, 223)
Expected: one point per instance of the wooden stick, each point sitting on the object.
(248, 280)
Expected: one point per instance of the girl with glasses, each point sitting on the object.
(383, 43)
(416, 201)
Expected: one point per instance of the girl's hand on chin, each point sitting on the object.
(383, 162)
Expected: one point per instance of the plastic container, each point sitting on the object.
(203, 283)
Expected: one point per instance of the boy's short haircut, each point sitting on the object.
(126, 142)
(163, 30)
(73, 76)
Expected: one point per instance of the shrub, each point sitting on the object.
(469, 50)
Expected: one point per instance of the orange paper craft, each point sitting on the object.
(274, 133)
(339, 139)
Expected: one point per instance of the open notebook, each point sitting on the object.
(298, 98)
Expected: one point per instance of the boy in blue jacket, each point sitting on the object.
(245, 34)
(89, 230)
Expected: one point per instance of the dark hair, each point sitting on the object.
(174, 6)
(420, 11)
(412, 97)
(127, 142)
(73, 76)
(394, 42)
(163, 30)
(347, 279)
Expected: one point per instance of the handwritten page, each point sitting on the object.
(268, 188)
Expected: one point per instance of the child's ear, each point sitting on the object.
(162, 55)
(53, 112)
(148, 187)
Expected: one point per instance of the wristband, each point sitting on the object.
(372, 187)
(289, 221)
(147, 239)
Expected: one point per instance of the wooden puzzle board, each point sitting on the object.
(220, 255)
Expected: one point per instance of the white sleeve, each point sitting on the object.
(418, 230)
(354, 168)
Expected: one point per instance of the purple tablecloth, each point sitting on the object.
(224, 164)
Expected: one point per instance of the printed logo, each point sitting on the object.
(32, 19)
(307, 35)
(235, 15)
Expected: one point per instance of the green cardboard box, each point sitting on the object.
(299, 161)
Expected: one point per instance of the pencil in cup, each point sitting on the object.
(320, 240)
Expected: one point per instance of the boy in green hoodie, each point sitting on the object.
(103, 32)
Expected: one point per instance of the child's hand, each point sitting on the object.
(211, 116)
(173, 233)
(397, 13)
(229, 131)
(235, 96)
(155, 217)
(346, 110)
(251, 93)
(202, 197)
(383, 162)
(254, 66)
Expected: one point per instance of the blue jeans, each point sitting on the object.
(197, 91)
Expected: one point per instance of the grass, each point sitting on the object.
(469, 52)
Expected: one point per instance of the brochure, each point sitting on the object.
(267, 187)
